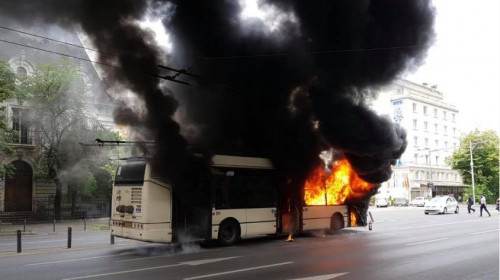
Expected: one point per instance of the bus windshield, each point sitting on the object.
(131, 173)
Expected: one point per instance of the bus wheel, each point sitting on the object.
(336, 222)
(229, 233)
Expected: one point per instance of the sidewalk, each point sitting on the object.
(47, 227)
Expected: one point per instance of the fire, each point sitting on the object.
(354, 219)
(290, 238)
(322, 188)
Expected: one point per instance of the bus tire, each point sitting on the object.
(336, 222)
(229, 233)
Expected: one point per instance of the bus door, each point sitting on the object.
(228, 199)
(261, 201)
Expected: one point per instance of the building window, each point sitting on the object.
(436, 142)
(426, 142)
(415, 140)
(415, 158)
(454, 131)
(21, 72)
(435, 113)
(435, 128)
(453, 117)
(437, 160)
(414, 107)
(425, 110)
(425, 126)
(445, 130)
(414, 124)
(446, 144)
(19, 126)
(444, 115)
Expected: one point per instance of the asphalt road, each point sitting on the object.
(404, 244)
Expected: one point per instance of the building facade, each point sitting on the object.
(432, 135)
(22, 191)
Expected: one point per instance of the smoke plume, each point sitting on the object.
(286, 92)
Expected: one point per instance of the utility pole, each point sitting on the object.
(472, 172)
(471, 148)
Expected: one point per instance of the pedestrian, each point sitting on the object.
(483, 206)
(469, 205)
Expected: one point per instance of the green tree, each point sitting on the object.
(7, 90)
(486, 163)
(55, 96)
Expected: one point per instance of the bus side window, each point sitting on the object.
(229, 193)
(261, 192)
(221, 191)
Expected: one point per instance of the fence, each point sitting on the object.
(43, 209)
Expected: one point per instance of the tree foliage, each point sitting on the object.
(486, 163)
(56, 96)
(7, 90)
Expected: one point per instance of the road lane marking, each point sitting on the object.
(35, 242)
(479, 232)
(75, 260)
(236, 271)
(322, 277)
(192, 263)
(428, 241)
(123, 272)
(165, 256)
(200, 262)
(435, 225)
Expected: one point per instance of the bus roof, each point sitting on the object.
(242, 162)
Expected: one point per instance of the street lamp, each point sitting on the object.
(471, 148)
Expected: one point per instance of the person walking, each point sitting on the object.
(483, 206)
(469, 205)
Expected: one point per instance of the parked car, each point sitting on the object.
(401, 201)
(418, 201)
(382, 202)
(441, 205)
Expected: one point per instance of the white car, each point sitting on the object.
(382, 202)
(441, 204)
(418, 201)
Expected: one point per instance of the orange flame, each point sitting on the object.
(354, 219)
(342, 183)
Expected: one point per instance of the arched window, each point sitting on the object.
(21, 71)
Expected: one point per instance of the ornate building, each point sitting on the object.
(432, 134)
(23, 52)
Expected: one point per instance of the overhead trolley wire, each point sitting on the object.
(170, 78)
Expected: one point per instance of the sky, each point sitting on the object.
(465, 61)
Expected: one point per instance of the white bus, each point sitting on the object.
(239, 198)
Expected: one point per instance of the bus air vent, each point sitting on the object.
(136, 195)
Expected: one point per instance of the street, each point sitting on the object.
(404, 244)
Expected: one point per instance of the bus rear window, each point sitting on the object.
(131, 173)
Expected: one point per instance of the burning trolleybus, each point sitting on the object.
(238, 198)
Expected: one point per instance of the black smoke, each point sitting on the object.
(286, 94)
(291, 93)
